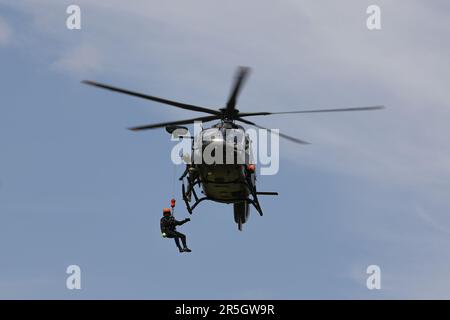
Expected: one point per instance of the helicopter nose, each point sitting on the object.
(222, 152)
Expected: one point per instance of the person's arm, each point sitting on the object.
(179, 223)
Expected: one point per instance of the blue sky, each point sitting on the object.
(77, 188)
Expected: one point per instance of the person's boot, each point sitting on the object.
(187, 249)
(181, 249)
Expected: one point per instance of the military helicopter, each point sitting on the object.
(230, 183)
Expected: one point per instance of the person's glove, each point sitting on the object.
(187, 219)
(164, 235)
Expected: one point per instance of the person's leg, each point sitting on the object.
(183, 239)
(174, 235)
(177, 242)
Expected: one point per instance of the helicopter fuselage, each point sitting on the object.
(224, 154)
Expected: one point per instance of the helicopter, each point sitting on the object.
(230, 183)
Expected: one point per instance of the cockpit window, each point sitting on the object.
(237, 137)
(212, 134)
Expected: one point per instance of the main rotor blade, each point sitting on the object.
(296, 140)
(152, 98)
(163, 124)
(239, 80)
(262, 113)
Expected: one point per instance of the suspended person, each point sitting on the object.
(168, 225)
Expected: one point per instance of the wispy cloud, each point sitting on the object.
(5, 32)
(79, 60)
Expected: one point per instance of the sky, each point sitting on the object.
(77, 188)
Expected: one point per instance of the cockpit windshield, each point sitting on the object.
(212, 134)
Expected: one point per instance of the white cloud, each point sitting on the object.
(79, 60)
(5, 32)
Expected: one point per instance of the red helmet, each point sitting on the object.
(166, 211)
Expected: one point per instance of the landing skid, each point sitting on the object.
(241, 207)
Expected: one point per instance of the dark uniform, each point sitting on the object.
(168, 228)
